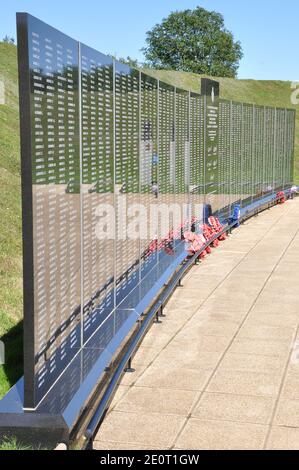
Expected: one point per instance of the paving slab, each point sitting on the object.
(287, 413)
(245, 383)
(221, 435)
(173, 376)
(205, 343)
(273, 365)
(191, 358)
(283, 438)
(157, 400)
(291, 387)
(266, 332)
(236, 408)
(145, 429)
(264, 347)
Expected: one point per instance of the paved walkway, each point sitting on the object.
(222, 371)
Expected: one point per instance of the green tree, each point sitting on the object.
(193, 41)
(129, 61)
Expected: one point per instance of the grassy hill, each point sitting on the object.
(272, 93)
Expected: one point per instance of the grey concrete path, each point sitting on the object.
(222, 370)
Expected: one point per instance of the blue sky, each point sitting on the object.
(267, 29)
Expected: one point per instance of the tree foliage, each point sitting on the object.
(193, 41)
(130, 61)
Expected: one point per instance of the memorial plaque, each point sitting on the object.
(97, 188)
(196, 154)
(51, 192)
(224, 156)
(210, 90)
(127, 181)
(166, 154)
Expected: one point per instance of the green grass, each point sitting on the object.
(272, 93)
(13, 444)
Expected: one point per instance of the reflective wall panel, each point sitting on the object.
(182, 156)
(149, 172)
(97, 188)
(49, 118)
(289, 158)
(127, 181)
(224, 156)
(196, 155)
(269, 141)
(236, 151)
(166, 154)
(247, 160)
(279, 150)
(258, 150)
